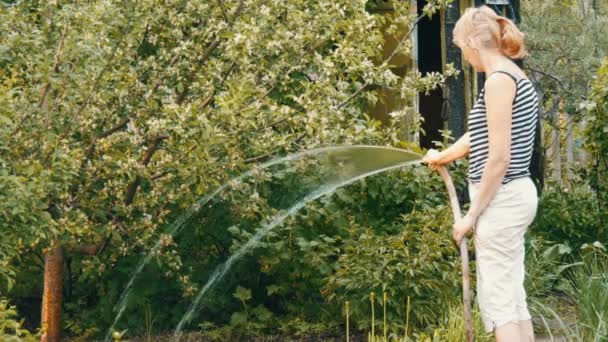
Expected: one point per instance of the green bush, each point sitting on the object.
(596, 137)
(297, 267)
(117, 116)
(545, 267)
(589, 292)
(420, 262)
(452, 326)
(569, 216)
(579, 314)
(10, 328)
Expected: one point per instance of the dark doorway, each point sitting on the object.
(429, 59)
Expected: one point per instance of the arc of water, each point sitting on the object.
(174, 229)
(179, 223)
(221, 270)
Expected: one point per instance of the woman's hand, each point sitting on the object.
(433, 159)
(459, 149)
(462, 227)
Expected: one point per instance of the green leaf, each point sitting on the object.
(272, 289)
(238, 318)
(242, 294)
(262, 313)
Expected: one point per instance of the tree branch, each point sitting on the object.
(265, 156)
(182, 96)
(238, 9)
(159, 175)
(99, 247)
(106, 66)
(546, 74)
(56, 63)
(384, 63)
(119, 126)
(353, 95)
(89, 155)
(215, 43)
(221, 5)
(87, 249)
(152, 147)
(276, 82)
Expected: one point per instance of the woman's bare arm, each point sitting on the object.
(458, 150)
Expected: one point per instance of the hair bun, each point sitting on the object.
(511, 38)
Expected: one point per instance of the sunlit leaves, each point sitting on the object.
(117, 115)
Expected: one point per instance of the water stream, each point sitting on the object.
(336, 166)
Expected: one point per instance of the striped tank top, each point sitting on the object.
(523, 124)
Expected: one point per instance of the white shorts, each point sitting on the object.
(499, 252)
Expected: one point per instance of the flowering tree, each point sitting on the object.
(117, 114)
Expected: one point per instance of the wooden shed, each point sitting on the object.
(432, 48)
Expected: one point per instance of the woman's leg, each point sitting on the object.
(525, 320)
(512, 332)
(499, 290)
(499, 246)
(509, 332)
(526, 330)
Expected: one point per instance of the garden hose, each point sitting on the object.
(464, 254)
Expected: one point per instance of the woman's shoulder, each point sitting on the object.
(514, 75)
(499, 82)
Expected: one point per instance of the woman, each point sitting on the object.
(501, 128)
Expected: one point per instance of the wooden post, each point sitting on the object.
(52, 293)
(481, 77)
(569, 147)
(555, 149)
(456, 111)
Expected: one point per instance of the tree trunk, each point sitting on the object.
(52, 293)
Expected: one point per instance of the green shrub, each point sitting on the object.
(596, 136)
(10, 327)
(420, 262)
(580, 313)
(569, 216)
(589, 291)
(296, 268)
(545, 267)
(452, 326)
(116, 116)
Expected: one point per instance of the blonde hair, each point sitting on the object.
(484, 28)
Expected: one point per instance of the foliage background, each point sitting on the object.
(117, 116)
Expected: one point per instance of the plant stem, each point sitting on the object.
(384, 321)
(407, 316)
(372, 296)
(347, 304)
